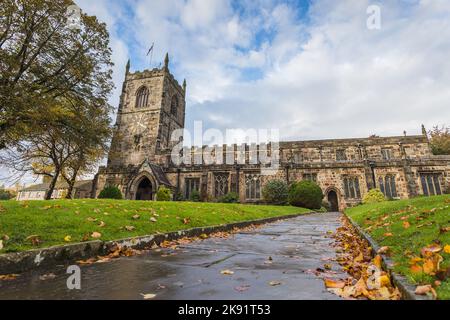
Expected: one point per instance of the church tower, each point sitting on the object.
(152, 105)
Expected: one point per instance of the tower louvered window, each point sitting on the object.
(174, 106)
(142, 97)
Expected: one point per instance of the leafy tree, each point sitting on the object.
(110, 192)
(163, 194)
(306, 194)
(440, 140)
(54, 85)
(275, 192)
(43, 60)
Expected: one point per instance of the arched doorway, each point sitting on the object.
(333, 201)
(144, 190)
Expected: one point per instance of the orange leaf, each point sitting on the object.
(330, 283)
(406, 224)
(377, 261)
(447, 248)
(428, 267)
(416, 269)
(388, 234)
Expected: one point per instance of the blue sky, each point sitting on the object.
(311, 69)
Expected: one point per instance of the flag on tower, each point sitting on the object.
(151, 49)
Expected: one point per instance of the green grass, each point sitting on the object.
(426, 216)
(52, 221)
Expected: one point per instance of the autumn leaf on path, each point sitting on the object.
(148, 296)
(242, 288)
(227, 272)
(330, 283)
(274, 283)
(48, 276)
(8, 277)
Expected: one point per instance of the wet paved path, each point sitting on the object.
(194, 272)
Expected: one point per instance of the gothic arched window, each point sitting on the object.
(142, 97)
(174, 105)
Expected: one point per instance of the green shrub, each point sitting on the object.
(374, 196)
(163, 194)
(231, 197)
(110, 192)
(195, 196)
(275, 192)
(306, 194)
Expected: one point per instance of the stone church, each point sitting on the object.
(152, 105)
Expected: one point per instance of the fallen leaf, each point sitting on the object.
(1, 244)
(148, 296)
(406, 224)
(242, 288)
(203, 236)
(90, 219)
(330, 283)
(227, 272)
(429, 267)
(5, 237)
(8, 277)
(129, 228)
(383, 250)
(136, 216)
(186, 220)
(153, 219)
(377, 261)
(327, 266)
(96, 235)
(48, 276)
(447, 248)
(35, 239)
(416, 269)
(274, 283)
(102, 224)
(67, 238)
(423, 290)
(430, 250)
(388, 234)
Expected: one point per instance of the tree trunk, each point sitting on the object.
(48, 195)
(71, 183)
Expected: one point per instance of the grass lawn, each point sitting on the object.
(406, 227)
(54, 220)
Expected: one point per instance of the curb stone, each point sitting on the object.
(19, 262)
(400, 281)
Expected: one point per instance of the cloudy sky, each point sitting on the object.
(312, 69)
